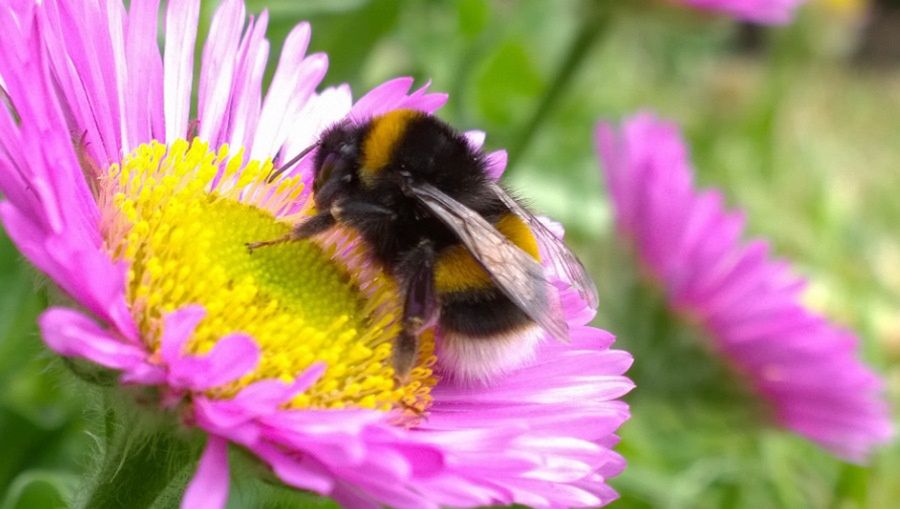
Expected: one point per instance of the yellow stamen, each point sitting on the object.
(180, 217)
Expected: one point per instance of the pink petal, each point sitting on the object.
(292, 86)
(748, 303)
(381, 99)
(394, 95)
(181, 36)
(209, 487)
(70, 333)
(495, 162)
(256, 400)
(243, 112)
(475, 138)
(81, 32)
(177, 329)
(301, 473)
(231, 358)
(218, 67)
(773, 12)
(144, 71)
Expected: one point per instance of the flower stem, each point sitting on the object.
(141, 466)
(595, 23)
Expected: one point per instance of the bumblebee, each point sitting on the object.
(467, 255)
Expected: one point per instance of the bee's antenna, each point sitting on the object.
(294, 160)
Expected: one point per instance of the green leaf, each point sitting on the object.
(508, 83)
(30, 443)
(306, 8)
(473, 16)
(20, 302)
(39, 489)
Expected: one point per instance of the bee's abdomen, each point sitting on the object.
(470, 302)
(479, 313)
(456, 270)
(483, 336)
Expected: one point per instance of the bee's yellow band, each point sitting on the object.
(515, 229)
(457, 271)
(382, 139)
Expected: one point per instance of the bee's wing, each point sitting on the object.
(514, 272)
(564, 261)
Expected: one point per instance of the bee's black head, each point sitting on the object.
(336, 163)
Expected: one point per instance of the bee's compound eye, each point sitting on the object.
(324, 171)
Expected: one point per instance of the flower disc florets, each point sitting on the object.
(180, 217)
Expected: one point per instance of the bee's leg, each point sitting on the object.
(312, 226)
(420, 307)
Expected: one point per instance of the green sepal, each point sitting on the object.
(144, 459)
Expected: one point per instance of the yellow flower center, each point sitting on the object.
(180, 217)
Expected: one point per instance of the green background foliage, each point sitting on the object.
(799, 125)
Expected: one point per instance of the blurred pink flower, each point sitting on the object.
(748, 302)
(278, 353)
(772, 12)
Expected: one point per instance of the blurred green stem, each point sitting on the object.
(140, 464)
(851, 488)
(595, 23)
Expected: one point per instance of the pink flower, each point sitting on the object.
(771, 12)
(749, 303)
(285, 353)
